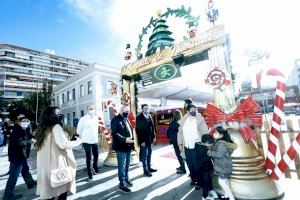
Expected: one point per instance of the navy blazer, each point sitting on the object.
(119, 134)
(144, 129)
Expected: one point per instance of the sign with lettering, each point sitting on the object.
(159, 74)
(207, 40)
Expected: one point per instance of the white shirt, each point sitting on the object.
(128, 127)
(190, 133)
(87, 129)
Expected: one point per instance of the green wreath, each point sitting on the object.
(181, 12)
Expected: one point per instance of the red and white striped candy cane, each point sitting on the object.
(104, 129)
(112, 103)
(277, 116)
(287, 158)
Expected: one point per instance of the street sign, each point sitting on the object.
(159, 74)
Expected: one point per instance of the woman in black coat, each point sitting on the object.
(172, 135)
(18, 152)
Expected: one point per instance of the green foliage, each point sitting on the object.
(181, 12)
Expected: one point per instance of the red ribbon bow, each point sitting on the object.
(245, 116)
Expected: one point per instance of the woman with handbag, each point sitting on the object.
(18, 152)
(56, 165)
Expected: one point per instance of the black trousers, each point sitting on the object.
(205, 181)
(180, 159)
(89, 150)
(63, 196)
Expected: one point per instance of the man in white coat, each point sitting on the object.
(87, 130)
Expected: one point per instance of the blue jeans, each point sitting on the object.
(146, 152)
(191, 162)
(123, 166)
(15, 168)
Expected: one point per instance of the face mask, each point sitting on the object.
(125, 114)
(91, 112)
(24, 125)
(60, 117)
(217, 135)
(193, 113)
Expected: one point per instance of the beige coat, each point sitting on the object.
(61, 153)
(201, 128)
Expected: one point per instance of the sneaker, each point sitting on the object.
(128, 184)
(213, 193)
(152, 170)
(193, 183)
(31, 185)
(181, 172)
(197, 187)
(124, 189)
(147, 174)
(90, 178)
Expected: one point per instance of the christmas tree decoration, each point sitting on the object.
(160, 38)
(212, 12)
(192, 31)
(128, 53)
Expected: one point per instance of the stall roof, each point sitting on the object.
(173, 91)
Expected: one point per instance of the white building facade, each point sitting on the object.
(94, 85)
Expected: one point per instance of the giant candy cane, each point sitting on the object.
(287, 158)
(277, 116)
(101, 122)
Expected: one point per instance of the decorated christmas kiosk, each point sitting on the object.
(162, 62)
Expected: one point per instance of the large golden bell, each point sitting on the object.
(249, 179)
(111, 159)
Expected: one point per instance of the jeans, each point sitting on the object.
(180, 159)
(146, 152)
(89, 150)
(191, 163)
(15, 168)
(123, 166)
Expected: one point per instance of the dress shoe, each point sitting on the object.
(147, 174)
(128, 184)
(31, 185)
(124, 189)
(152, 170)
(193, 183)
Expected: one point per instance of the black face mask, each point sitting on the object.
(60, 117)
(125, 114)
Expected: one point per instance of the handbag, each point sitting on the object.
(61, 176)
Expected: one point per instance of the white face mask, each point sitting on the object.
(24, 125)
(217, 135)
(91, 112)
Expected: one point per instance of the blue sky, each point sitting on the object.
(52, 24)
(98, 30)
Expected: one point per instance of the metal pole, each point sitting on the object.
(37, 100)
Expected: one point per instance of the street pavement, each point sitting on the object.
(164, 184)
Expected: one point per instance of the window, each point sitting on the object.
(74, 115)
(57, 101)
(68, 119)
(90, 87)
(68, 96)
(19, 94)
(81, 113)
(73, 93)
(81, 91)
(63, 98)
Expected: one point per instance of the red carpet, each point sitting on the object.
(169, 155)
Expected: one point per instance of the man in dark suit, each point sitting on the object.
(122, 143)
(145, 134)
